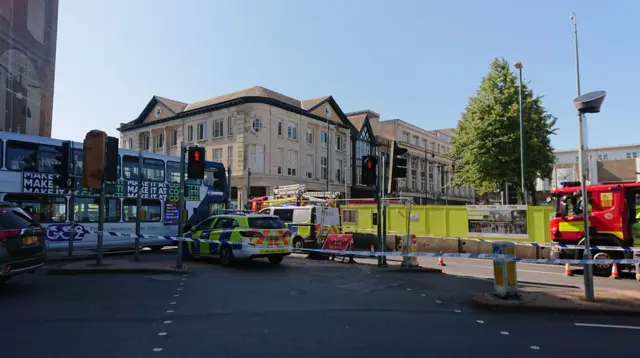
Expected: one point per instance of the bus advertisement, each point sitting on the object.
(27, 179)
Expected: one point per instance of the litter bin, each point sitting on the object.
(504, 270)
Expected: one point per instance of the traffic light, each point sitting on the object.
(93, 159)
(399, 163)
(62, 167)
(369, 165)
(195, 166)
(111, 167)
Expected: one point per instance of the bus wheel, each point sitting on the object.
(226, 255)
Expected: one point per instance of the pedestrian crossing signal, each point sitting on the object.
(195, 165)
(369, 166)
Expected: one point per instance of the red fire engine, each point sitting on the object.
(613, 219)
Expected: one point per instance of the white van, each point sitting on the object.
(309, 214)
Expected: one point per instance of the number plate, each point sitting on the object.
(29, 240)
(273, 251)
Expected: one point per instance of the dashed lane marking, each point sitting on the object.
(480, 321)
(504, 333)
(172, 303)
(162, 333)
(457, 311)
(157, 349)
(535, 348)
(169, 311)
(166, 322)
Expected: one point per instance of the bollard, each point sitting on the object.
(504, 271)
(636, 255)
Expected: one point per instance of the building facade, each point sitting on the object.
(278, 139)
(28, 36)
(429, 170)
(603, 165)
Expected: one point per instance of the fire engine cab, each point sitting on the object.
(614, 219)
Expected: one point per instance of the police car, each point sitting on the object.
(239, 236)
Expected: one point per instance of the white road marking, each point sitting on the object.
(457, 311)
(157, 349)
(504, 333)
(408, 289)
(169, 311)
(480, 321)
(438, 301)
(172, 303)
(423, 294)
(535, 348)
(180, 289)
(162, 333)
(166, 322)
(176, 295)
(181, 283)
(605, 326)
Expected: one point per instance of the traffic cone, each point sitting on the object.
(614, 271)
(373, 249)
(441, 260)
(567, 270)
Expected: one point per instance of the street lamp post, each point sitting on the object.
(587, 103)
(518, 65)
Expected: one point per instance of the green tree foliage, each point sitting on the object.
(486, 146)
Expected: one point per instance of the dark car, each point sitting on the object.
(22, 242)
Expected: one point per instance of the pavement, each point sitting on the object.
(300, 308)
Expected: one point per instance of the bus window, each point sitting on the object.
(216, 208)
(173, 174)
(214, 178)
(86, 209)
(77, 157)
(153, 169)
(43, 208)
(1, 154)
(30, 157)
(151, 210)
(130, 168)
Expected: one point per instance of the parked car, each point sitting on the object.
(22, 242)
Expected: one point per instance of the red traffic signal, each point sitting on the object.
(195, 164)
(369, 167)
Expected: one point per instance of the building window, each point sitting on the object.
(339, 170)
(257, 125)
(324, 138)
(256, 158)
(339, 143)
(433, 147)
(217, 154)
(202, 133)
(279, 127)
(414, 173)
(405, 137)
(293, 163)
(160, 140)
(606, 157)
(292, 131)
(423, 176)
(634, 154)
(416, 140)
(130, 143)
(599, 157)
(146, 143)
(190, 133)
(423, 143)
(430, 175)
(310, 134)
(229, 155)
(279, 155)
(324, 164)
(174, 137)
(310, 166)
(230, 125)
(218, 128)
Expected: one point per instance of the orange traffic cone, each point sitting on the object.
(373, 249)
(567, 270)
(441, 260)
(614, 271)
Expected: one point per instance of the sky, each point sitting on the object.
(419, 61)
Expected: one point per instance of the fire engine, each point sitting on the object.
(294, 195)
(613, 215)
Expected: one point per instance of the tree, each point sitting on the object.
(486, 147)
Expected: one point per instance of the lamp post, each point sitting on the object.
(587, 103)
(523, 190)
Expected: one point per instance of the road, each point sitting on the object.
(303, 308)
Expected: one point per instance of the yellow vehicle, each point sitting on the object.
(239, 237)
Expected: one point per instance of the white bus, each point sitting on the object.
(27, 179)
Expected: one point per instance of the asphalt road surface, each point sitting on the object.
(302, 308)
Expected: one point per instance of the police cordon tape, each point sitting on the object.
(401, 254)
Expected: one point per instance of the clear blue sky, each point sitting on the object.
(414, 60)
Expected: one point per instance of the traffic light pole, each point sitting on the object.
(228, 202)
(101, 227)
(72, 204)
(182, 211)
(136, 255)
(384, 207)
(248, 202)
(379, 207)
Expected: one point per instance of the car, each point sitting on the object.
(22, 242)
(239, 236)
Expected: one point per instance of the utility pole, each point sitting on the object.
(523, 189)
(228, 202)
(72, 204)
(136, 255)
(183, 210)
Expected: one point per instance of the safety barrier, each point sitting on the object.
(561, 246)
(398, 254)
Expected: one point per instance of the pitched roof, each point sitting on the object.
(311, 104)
(256, 91)
(173, 105)
(357, 120)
